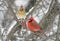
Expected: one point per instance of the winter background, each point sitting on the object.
(45, 12)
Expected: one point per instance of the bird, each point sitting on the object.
(21, 13)
(34, 26)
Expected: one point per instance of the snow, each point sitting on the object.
(1, 21)
(58, 1)
(0, 39)
(20, 38)
(25, 3)
(11, 26)
(2, 29)
(0, 2)
(37, 19)
(29, 32)
(54, 28)
(2, 16)
(50, 40)
(55, 23)
(51, 33)
(29, 11)
(42, 12)
(21, 2)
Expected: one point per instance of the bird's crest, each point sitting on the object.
(21, 8)
(31, 18)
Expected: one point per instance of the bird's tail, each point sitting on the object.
(42, 33)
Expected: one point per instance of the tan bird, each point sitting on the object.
(21, 13)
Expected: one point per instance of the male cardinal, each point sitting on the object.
(34, 26)
(21, 13)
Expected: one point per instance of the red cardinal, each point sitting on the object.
(34, 26)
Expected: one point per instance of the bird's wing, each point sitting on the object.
(35, 25)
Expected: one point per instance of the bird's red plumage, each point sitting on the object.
(33, 25)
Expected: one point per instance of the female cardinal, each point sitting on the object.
(34, 26)
(21, 13)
